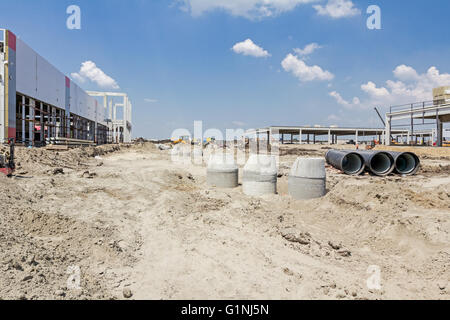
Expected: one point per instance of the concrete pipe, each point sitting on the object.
(222, 171)
(379, 163)
(307, 179)
(406, 163)
(260, 175)
(350, 163)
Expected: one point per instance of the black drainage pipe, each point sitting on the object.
(379, 163)
(349, 162)
(406, 163)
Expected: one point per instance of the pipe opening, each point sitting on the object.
(352, 163)
(381, 163)
(406, 163)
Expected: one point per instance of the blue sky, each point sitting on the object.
(175, 58)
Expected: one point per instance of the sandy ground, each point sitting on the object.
(137, 224)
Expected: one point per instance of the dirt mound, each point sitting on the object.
(39, 250)
(40, 160)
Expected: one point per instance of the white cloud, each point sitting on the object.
(77, 77)
(371, 89)
(405, 73)
(250, 9)
(90, 71)
(307, 50)
(249, 48)
(304, 72)
(409, 86)
(355, 102)
(150, 100)
(338, 9)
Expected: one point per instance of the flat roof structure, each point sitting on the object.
(332, 132)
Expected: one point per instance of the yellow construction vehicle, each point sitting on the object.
(184, 140)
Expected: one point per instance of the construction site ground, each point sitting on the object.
(140, 226)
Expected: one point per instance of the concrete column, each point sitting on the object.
(282, 138)
(357, 137)
(41, 108)
(31, 123)
(314, 138)
(292, 138)
(388, 131)
(111, 110)
(300, 137)
(53, 122)
(307, 138)
(23, 119)
(329, 137)
(439, 132)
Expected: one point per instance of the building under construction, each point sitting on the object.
(424, 121)
(40, 105)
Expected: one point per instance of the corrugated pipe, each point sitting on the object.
(379, 163)
(406, 163)
(350, 163)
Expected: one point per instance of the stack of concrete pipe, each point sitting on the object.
(307, 179)
(379, 163)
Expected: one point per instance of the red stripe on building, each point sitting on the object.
(11, 133)
(67, 82)
(12, 40)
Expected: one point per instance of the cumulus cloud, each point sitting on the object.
(405, 73)
(250, 9)
(408, 86)
(338, 9)
(307, 50)
(304, 72)
(90, 71)
(336, 95)
(354, 103)
(371, 89)
(249, 48)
